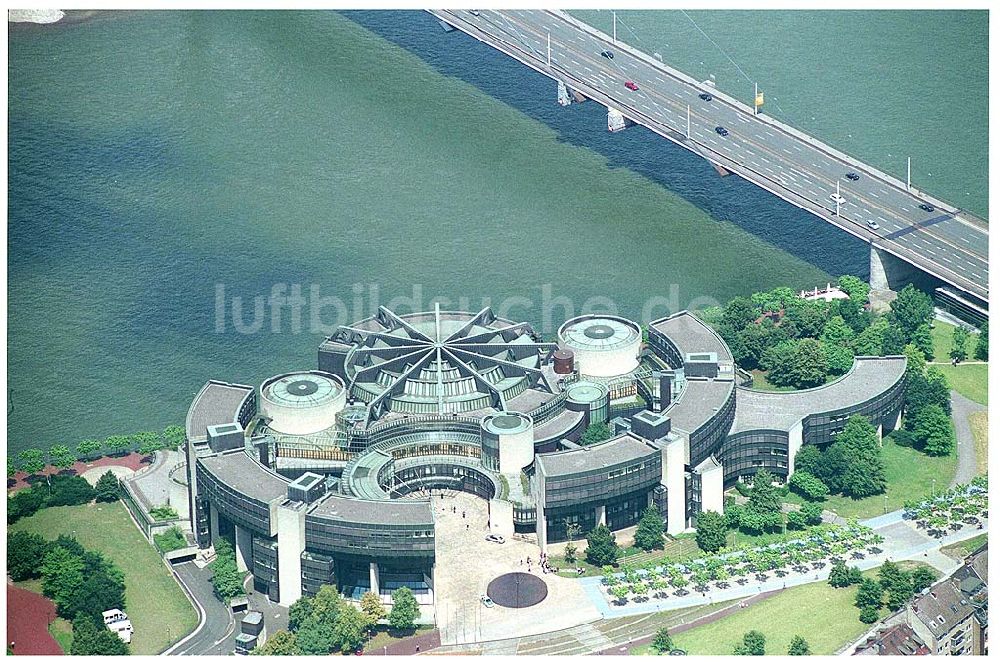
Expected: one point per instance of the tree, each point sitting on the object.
(62, 576)
(869, 594)
(226, 579)
(933, 430)
(779, 361)
(601, 547)
(107, 488)
(350, 629)
(662, 642)
(840, 575)
(11, 467)
(910, 309)
(764, 497)
(315, 637)
(923, 577)
(854, 287)
(739, 312)
(281, 643)
(711, 531)
(839, 359)
(796, 520)
(893, 340)
(810, 364)
(753, 644)
(798, 646)
(982, 351)
(890, 573)
(900, 592)
(25, 552)
(595, 432)
(837, 332)
(372, 608)
(649, 532)
(86, 447)
(916, 361)
(103, 588)
(869, 615)
(959, 344)
(813, 513)
(147, 442)
(808, 459)
(89, 637)
(61, 457)
(808, 485)
(405, 610)
(299, 612)
(864, 474)
(923, 341)
(117, 443)
(327, 604)
(806, 318)
(173, 436)
(31, 461)
(871, 340)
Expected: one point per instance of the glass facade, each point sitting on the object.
(743, 454)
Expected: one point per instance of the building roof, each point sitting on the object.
(390, 513)
(615, 451)
(698, 402)
(898, 640)
(241, 472)
(690, 334)
(217, 402)
(868, 377)
(943, 607)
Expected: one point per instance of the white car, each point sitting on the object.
(872, 224)
(495, 538)
(486, 601)
(836, 198)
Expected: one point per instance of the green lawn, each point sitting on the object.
(910, 475)
(386, 637)
(965, 548)
(157, 607)
(968, 379)
(761, 383)
(826, 617)
(979, 423)
(62, 631)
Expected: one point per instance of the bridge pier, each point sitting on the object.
(887, 271)
(563, 94)
(617, 120)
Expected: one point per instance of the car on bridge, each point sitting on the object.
(721, 131)
(495, 538)
(631, 85)
(872, 224)
(852, 176)
(705, 96)
(608, 54)
(836, 198)
(929, 208)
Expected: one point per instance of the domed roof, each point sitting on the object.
(442, 362)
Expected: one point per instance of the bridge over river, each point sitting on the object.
(913, 228)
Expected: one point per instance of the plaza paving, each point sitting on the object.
(466, 563)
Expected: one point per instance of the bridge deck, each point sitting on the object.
(947, 243)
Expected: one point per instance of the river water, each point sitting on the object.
(168, 169)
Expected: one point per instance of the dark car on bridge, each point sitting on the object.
(929, 208)
(608, 54)
(706, 97)
(631, 85)
(852, 176)
(721, 131)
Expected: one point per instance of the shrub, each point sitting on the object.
(170, 540)
(809, 486)
(107, 488)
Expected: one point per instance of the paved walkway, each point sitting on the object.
(961, 409)
(28, 618)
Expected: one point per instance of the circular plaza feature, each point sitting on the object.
(517, 590)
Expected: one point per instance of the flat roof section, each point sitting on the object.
(391, 513)
(691, 335)
(615, 451)
(700, 401)
(245, 475)
(869, 377)
(216, 403)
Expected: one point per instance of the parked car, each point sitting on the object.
(608, 54)
(495, 538)
(836, 198)
(872, 224)
(852, 176)
(706, 97)
(486, 601)
(721, 131)
(631, 85)
(929, 208)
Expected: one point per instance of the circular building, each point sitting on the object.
(508, 441)
(301, 403)
(604, 345)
